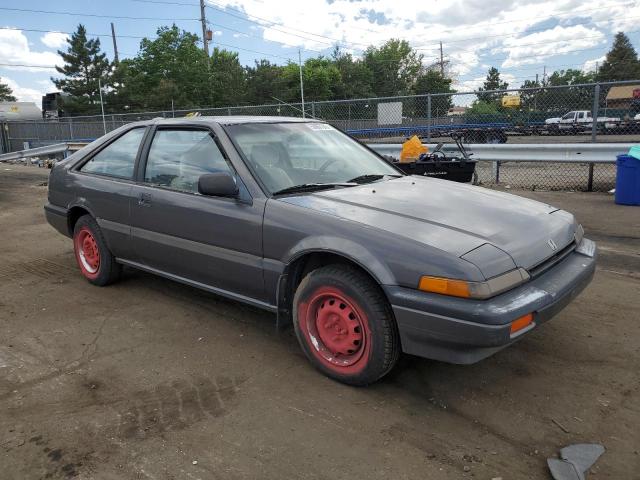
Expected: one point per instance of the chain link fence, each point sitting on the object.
(603, 112)
(583, 177)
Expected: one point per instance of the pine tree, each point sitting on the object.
(84, 65)
(621, 62)
(493, 82)
(6, 94)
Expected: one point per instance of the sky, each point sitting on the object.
(519, 37)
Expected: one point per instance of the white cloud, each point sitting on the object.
(15, 49)
(24, 94)
(217, 33)
(474, 32)
(54, 39)
(591, 65)
(529, 49)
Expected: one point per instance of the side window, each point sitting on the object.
(118, 158)
(177, 158)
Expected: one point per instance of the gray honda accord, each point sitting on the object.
(295, 217)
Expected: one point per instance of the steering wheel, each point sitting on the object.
(326, 164)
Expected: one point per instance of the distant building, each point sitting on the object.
(622, 96)
(456, 111)
(52, 105)
(16, 111)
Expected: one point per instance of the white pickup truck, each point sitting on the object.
(579, 120)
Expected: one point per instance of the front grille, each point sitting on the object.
(545, 265)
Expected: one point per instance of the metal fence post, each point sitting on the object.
(70, 129)
(594, 113)
(429, 118)
(313, 109)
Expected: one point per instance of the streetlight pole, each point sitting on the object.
(104, 122)
(301, 83)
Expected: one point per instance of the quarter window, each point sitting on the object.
(178, 158)
(118, 158)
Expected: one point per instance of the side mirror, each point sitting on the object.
(219, 184)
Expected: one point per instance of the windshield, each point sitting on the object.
(284, 155)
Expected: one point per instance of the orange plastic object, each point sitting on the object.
(412, 149)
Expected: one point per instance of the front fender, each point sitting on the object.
(349, 249)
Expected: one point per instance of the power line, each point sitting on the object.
(70, 33)
(25, 65)
(224, 27)
(80, 14)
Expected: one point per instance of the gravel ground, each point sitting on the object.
(149, 379)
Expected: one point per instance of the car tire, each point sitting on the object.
(96, 262)
(345, 325)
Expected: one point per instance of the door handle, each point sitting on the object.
(144, 200)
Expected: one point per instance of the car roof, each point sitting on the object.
(232, 120)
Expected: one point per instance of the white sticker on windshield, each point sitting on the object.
(319, 126)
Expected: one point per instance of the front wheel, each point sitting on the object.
(345, 325)
(94, 258)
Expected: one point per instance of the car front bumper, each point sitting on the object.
(460, 330)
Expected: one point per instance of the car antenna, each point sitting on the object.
(295, 108)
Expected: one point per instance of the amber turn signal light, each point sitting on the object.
(445, 286)
(522, 322)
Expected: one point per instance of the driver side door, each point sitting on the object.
(207, 241)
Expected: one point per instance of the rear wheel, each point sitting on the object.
(345, 325)
(94, 258)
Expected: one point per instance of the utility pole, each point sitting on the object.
(544, 74)
(115, 45)
(203, 20)
(441, 61)
(301, 83)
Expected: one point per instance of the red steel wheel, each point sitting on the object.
(337, 329)
(87, 252)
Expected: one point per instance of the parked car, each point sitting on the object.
(297, 218)
(579, 120)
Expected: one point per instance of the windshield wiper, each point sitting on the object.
(312, 187)
(370, 178)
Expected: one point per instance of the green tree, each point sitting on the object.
(172, 67)
(264, 82)
(492, 83)
(6, 94)
(481, 107)
(395, 67)
(356, 77)
(529, 99)
(228, 79)
(621, 62)
(84, 64)
(432, 81)
(321, 79)
(558, 101)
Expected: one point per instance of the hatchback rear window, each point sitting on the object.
(118, 158)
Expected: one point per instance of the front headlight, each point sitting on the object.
(478, 290)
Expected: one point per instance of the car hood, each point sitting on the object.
(452, 217)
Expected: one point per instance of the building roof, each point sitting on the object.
(19, 111)
(622, 92)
